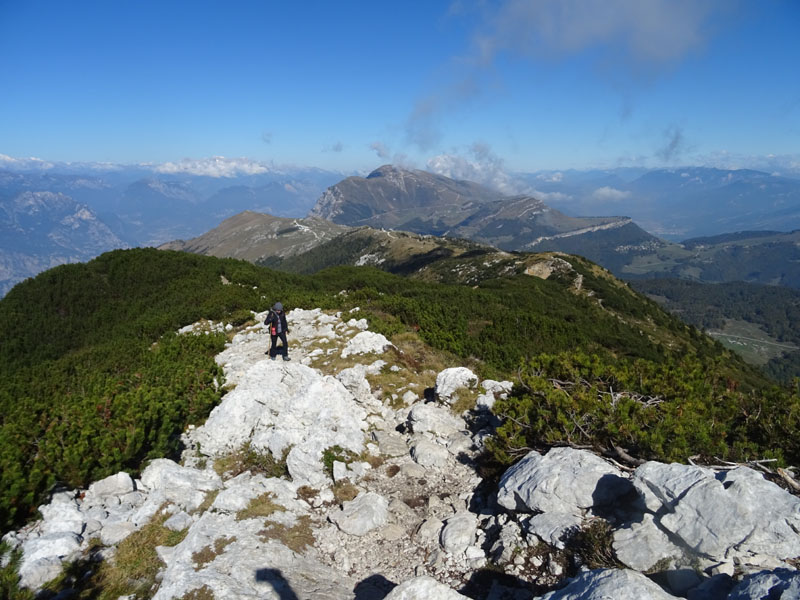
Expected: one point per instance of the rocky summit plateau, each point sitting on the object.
(379, 494)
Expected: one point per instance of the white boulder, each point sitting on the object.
(564, 480)
(449, 381)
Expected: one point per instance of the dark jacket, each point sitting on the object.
(274, 318)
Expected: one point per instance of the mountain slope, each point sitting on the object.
(255, 236)
(94, 380)
(426, 204)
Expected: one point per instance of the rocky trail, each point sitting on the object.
(367, 488)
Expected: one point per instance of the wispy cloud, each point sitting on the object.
(380, 149)
(674, 145)
(337, 147)
(654, 31)
(630, 40)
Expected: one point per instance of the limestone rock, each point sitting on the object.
(459, 532)
(427, 454)
(699, 508)
(184, 486)
(554, 528)
(115, 485)
(602, 584)
(366, 342)
(360, 516)
(437, 420)
(565, 480)
(449, 381)
(423, 588)
(783, 584)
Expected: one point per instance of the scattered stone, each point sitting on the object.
(360, 516)
(427, 454)
(459, 533)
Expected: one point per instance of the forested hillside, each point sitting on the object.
(94, 378)
(774, 309)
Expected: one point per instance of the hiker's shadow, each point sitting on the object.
(275, 578)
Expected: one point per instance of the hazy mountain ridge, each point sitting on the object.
(678, 203)
(44, 229)
(136, 206)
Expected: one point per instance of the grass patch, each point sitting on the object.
(136, 563)
(306, 492)
(261, 506)
(344, 491)
(208, 500)
(594, 544)
(336, 453)
(248, 458)
(207, 554)
(392, 470)
(297, 537)
(201, 593)
(465, 399)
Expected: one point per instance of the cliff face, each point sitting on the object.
(338, 475)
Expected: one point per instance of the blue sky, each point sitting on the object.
(520, 85)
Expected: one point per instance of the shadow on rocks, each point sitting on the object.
(484, 583)
(614, 496)
(374, 587)
(275, 578)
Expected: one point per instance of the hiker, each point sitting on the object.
(276, 321)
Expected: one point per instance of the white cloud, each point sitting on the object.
(217, 166)
(484, 168)
(610, 194)
(556, 177)
(25, 163)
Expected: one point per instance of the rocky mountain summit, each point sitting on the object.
(424, 203)
(372, 489)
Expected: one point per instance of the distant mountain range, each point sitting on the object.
(149, 205)
(677, 203)
(55, 214)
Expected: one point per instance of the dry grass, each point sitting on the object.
(201, 593)
(248, 458)
(207, 501)
(392, 470)
(261, 506)
(296, 538)
(344, 491)
(465, 400)
(306, 492)
(136, 563)
(207, 554)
